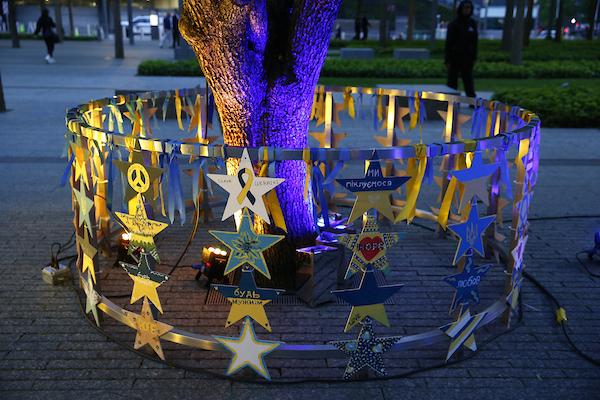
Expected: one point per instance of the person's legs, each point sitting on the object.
(452, 81)
(467, 77)
(49, 45)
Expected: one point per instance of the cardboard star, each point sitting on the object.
(462, 332)
(518, 252)
(367, 300)
(85, 205)
(82, 155)
(248, 351)
(91, 297)
(142, 229)
(328, 138)
(466, 284)
(373, 191)
(139, 176)
(369, 247)
(460, 120)
(145, 280)
(471, 232)
(88, 252)
(391, 139)
(141, 120)
(247, 300)
(246, 246)
(475, 179)
(245, 189)
(148, 329)
(366, 351)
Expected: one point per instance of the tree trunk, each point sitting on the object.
(383, 23)
(130, 22)
(12, 24)
(71, 23)
(507, 27)
(592, 15)
(433, 16)
(58, 17)
(262, 60)
(516, 49)
(410, 30)
(528, 23)
(551, 16)
(119, 51)
(559, 21)
(2, 103)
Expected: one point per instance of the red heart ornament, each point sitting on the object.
(370, 247)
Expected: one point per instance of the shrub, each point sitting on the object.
(558, 107)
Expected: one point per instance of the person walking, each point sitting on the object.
(461, 48)
(46, 25)
(175, 30)
(364, 25)
(166, 35)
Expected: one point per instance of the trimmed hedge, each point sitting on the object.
(558, 107)
(388, 68)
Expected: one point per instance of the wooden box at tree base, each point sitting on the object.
(318, 274)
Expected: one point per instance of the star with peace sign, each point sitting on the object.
(139, 176)
(245, 189)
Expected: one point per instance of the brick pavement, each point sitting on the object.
(48, 351)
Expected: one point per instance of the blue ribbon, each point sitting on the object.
(165, 107)
(109, 177)
(504, 171)
(317, 185)
(175, 196)
(65, 175)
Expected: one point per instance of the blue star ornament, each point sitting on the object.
(246, 246)
(373, 191)
(247, 300)
(462, 332)
(248, 351)
(475, 178)
(367, 300)
(467, 284)
(366, 351)
(470, 233)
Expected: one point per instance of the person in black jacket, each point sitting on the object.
(46, 25)
(175, 30)
(461, 48)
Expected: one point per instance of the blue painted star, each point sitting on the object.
(247, 300)
(246, 246)
(366, 351)
(461, 332)
(367, 300)
(373, 191)
(467, 284)
(475, 179)
(470, 233)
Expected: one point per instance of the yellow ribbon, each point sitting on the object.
(414, 185)
(272, 203)
(446, 203)
(247, 186)
(414, 117)
(379, 105)
(178, 109)
(306, 159)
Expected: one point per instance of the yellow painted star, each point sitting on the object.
(248, 351)
(88, 254)
(82, 155)
(91, 297)
(148, 329)
(142, 229)
(139, 176)
(85, 205)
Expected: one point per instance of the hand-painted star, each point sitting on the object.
(518, 252)
(91, 297)
(367, 300)
(142, 229)
(475, 179)
(462, 332)
(148, 329)
(245, 189)
(366, 351)
(82, 156)
(373, 191)
(85, 205)
(470, 233)
(248, 351)
(467, 284)
(246, 246)
(369, 247)
(247, 300)
(139, 176)
(141, 120)
(88, 252)
(145, 280)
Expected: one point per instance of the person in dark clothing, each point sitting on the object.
(356, 28)
(364, 25)
(46, 25)
(461, 48)
(166, 30)
(175, 30)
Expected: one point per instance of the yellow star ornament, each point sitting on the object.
(142, 229)
(248, 351)
(92, 298)
(148, 329)
(88, 252)
(85, 205)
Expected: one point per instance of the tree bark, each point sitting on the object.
(507, 26)
(559, 21)
(551, 16)
(528, 23)
(58, 17)
(119, 50)
(262, 60)
(410, 29)
(516, 49)
(12, 24)
(2, 103)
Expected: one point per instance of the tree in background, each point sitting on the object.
(507, 28)
(262, 60)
